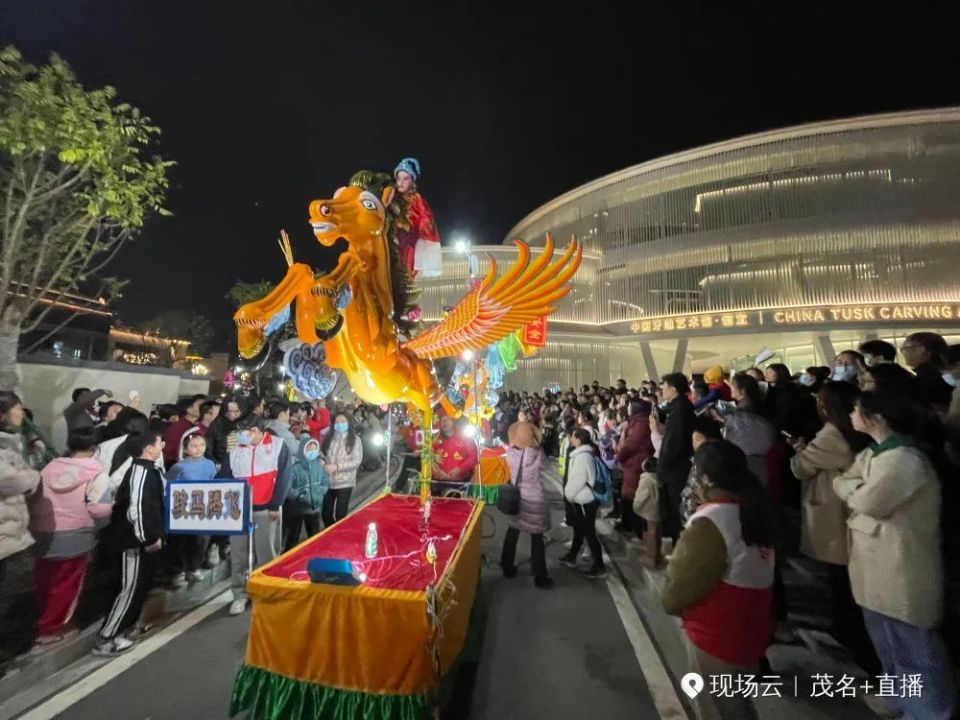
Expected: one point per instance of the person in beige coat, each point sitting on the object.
(824, 531)
(17, 481)
(896, 571)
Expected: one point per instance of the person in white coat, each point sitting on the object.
(114, 456)
(581, 476)
(824, 531)
(17, 482)
(896, 570)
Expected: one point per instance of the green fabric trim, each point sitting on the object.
(487, 493)
(894, 441)
(266, 695)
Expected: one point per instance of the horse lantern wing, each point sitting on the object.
(499, 307)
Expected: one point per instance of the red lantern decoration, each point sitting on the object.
(535, 333)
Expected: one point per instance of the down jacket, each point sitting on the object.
(635, 447)
(534, 514)
(17, 480)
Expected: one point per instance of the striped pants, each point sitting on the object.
(136, 576)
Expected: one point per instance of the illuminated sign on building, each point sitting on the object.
(822, 315)
(862, 313)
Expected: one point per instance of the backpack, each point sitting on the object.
(602, 487)
(605, 445)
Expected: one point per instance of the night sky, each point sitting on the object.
(268, 105)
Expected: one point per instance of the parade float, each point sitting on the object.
(388, 643)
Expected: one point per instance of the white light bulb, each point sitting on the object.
(467, 355)
(470, 431)
(238, 369)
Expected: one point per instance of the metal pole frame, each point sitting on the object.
(250, 540)
(478, 439)
(389, 441)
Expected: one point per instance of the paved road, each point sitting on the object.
(556, 654)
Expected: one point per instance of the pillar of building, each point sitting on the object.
(824, 347)
(649, 363)
(680, 357)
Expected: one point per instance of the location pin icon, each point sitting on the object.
(692, 684)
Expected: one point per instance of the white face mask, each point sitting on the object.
(844, 373)
(950, 380)
(806, 379)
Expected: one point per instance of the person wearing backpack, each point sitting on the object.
(584, 468)
(309, 483)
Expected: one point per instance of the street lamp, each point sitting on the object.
(462, 245)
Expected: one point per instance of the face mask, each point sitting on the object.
(950, 380)
(244, 437)
(663, 404)
(806, 379)
(311, 454)
(341, 427)
(842, 373)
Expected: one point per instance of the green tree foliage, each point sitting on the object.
(77, 179)
(243, 292)
(181, 325)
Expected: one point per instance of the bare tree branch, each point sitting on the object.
(27, 204)
(47, 242)
(53, 192)
(35, 321)
(33, 348)
(54, 279)
(119, 241)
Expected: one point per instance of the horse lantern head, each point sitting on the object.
(353, 212)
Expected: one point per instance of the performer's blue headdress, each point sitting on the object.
(409, 165)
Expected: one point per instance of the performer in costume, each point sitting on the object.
(418, 239)
(456, 456)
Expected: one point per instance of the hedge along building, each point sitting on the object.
(805, 241)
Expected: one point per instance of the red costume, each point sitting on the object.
(421, 226)
(456, 456)
(418, 241)
(318, 423)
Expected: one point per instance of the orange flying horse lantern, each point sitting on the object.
(380, 367)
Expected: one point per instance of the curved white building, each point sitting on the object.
(805, 241)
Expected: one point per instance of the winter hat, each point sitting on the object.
(714, 375)
(409, 165)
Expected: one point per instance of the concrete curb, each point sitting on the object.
(28, 676)
(33, 670)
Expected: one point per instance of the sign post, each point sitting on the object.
(208, 507)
